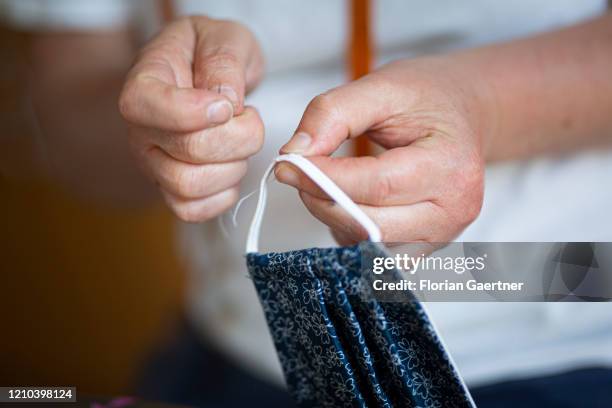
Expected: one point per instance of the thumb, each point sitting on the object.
(339, 114)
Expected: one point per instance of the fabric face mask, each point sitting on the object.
(338, 345)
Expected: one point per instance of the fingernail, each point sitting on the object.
(228, 92)
(286, 174)
(298, 143)
(219, 112)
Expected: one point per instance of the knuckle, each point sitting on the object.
(306, 199)
(258, 132)
(222, 58)
(237, 171)
(469, 184)
(473, 210)
(380, 189)
(233, 195)
(187, 212)
(127, 99)
(203, 147)
(246, 136)
(323, 103)
(175, 118)
(221, 67)
(192, 146)
(226, 174)
(355, 231)
(474, 204)
(185, 182)
(443, 226)
(215, 152)
(318, 208)
(382, 81)
(212, 208)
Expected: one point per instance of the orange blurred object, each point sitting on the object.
(166, 10)
(360, 55)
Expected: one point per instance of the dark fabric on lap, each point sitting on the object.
(589, 387)
(187, 371)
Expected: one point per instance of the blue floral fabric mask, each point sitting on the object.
(338, 345)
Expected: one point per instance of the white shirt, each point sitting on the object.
(304, 47)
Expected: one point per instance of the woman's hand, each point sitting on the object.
(184, 102)
(428, 184)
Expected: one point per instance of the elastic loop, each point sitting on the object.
(325, 183)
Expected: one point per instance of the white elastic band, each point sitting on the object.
(320, 179)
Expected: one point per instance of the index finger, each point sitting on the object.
(398, 177)
(228, 60)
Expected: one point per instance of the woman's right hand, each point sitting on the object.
(184, 102)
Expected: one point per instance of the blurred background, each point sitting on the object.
(90, 281)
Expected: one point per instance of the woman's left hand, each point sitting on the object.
(428, 184)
